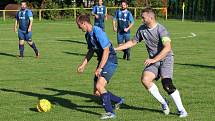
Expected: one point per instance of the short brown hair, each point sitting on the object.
(124, 1)
(148, 10)
(83, 18)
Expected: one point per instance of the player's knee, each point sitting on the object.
(21, 42)
(168, 85)
(145, 81)
(30, 42)
(99, 87)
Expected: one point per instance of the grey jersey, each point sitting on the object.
(152, 38)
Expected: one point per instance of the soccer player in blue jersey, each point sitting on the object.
(99, 11)
(99, 43)
(24, 19)
(160, 61)
(124, 20)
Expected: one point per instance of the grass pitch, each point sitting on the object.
(62, 47)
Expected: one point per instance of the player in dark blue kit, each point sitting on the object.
(24, 19)
(99, 43)
(99, 11)
(125, 21)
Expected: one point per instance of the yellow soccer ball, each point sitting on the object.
(43, 105)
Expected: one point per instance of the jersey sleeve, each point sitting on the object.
(89, 45)
(164, 34)
(138, 37)
(104, 10)
(17, 16)
(30, 15)
(94, 10)
(131, 19)
(102, 38)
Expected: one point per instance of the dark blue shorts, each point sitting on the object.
(107, 71)
(24, 35)
(123, 37)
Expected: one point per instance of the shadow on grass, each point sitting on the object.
(7, 54)
(68, 104)
(72, 41)
(196, 65)
(98, 101)
(57, 101)
(81, 54)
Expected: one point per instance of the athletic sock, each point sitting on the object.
(177, 99)
(34, 48)
(114, 98)
(21, 50)
(107, 102)
(155, 92)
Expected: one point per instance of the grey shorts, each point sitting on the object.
(163, 69)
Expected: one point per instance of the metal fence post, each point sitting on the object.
(4, 16)
(74, 13)
(40, 15)
(166, 13)
(135, 13)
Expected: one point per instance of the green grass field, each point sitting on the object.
(62, 47)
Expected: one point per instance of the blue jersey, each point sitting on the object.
(98, 40)
(23, 18)
(100, 11)
(123, 18)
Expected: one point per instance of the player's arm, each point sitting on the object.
(114, 22)
(94, 12)
(87, 58)
(131, 19)
(127, 45)
(30, 24)
(16, 22)
(162, 54)
(16, 25)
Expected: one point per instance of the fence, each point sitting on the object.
(135, 11)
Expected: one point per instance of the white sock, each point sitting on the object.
(155, 92)
(177, 99)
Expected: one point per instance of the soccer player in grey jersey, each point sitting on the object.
(160, 61)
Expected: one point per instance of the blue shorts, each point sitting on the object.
(101, 25)
(107, 71)
(121, 37)
(24, 35)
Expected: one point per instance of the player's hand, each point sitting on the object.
(29, 29)
(98, 72)
(149, 61)
(126, 29)
(114, 29)
(97, 16)
(15, 29)
(80, 68)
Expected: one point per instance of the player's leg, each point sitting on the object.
(149, 74)
(120, 39)
(167, 75)
(21, 44)
(31, 43)
(100, 86)
(127, 51)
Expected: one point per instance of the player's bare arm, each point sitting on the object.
(129, 27)
(30, 24)
(114, 26)
(16, 25)
(128, 44)
(161, 55)
(103, 61)
(87, 58)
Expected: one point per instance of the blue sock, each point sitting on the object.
(114, 98)
(34, 47)
(107, 102)
(21, 50)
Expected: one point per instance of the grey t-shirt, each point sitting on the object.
(153, 38)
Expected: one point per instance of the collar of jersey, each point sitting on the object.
(153, 26)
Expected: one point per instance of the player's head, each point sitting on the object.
(83, 21)
(23, 5)
(148, 15)
(100, 2)
(124, 4)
